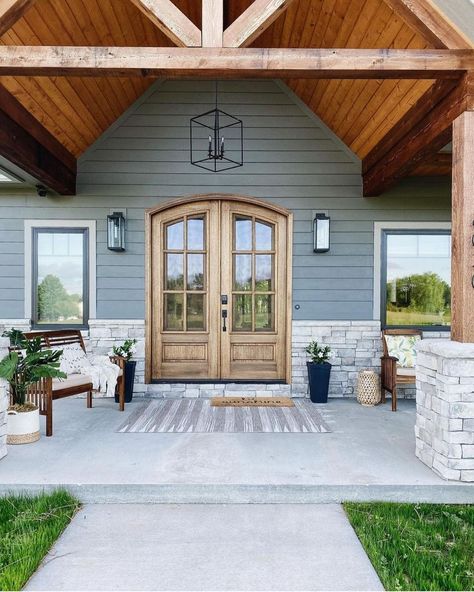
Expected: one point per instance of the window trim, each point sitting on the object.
(381, 229)
(89, 226)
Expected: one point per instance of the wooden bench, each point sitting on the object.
(48, 390)
(392, 374)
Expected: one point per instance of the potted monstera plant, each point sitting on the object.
(319, 371)
(126, 351)
(23, 367)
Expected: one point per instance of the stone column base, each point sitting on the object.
(445, 408)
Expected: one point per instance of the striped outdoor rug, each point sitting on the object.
(198, 416)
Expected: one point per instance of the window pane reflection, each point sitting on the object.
(243, 234)
(195, 234)
(242, 312)
(60, 281)
(174, 271)
(175, 235)
(242, 273)
(418, 271)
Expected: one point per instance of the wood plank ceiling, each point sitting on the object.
(78, 110)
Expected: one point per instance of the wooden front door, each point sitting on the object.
(218, 289)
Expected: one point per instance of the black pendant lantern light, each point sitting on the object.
(216, 140)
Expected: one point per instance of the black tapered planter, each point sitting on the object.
(129, 373)
(318, 375)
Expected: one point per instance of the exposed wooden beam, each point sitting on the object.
(11, 11)
(253, 22)
(436, 93)
(462, 260)
(424, 17)
(30, 146)
(425, 138)
(165, 15)
(176, 62)
(437, 165)
(212, 23)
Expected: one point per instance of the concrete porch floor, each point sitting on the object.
(368, 456)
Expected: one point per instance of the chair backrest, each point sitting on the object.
(57, 339)
(406, 332)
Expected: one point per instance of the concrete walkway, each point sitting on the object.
(207, 547)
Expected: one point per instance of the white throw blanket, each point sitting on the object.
(103, 372)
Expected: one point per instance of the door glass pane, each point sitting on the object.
(263, 236)
(196, 234)
(242, 233)
(263, 273)
(242, 273)
(195, 272)
(195, 312)
(264, 312)
(242, 312)
(174, 271)
(175, 235)
(60, 278)
(174, 312)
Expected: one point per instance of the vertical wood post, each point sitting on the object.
(462, 290)
(212, 23)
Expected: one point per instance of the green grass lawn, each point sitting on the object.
(417, 547)
(29, 525)
(414, 318)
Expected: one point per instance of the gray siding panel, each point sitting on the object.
(291, 160)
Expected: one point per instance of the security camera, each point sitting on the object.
(41, 190)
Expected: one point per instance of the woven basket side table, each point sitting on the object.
(368, 388)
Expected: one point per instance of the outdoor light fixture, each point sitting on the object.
(116, 232)
(321, 227)
(216, 141)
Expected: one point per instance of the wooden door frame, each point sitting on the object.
(151, 212)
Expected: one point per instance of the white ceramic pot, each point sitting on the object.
(22, 428)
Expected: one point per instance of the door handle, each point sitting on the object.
(224, 317)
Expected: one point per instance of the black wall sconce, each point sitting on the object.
(116, 232)
(321, 233)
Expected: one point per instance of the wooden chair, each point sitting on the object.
(48, 390)
(393, 375)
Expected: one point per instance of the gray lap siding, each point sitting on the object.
(290, 159)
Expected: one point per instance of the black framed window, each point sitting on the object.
(60, 277)
(416, 279)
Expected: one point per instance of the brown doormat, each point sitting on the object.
(252, 402)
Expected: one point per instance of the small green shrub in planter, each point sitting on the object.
(319, 371)
(126, 351)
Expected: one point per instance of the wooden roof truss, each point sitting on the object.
(214, 50)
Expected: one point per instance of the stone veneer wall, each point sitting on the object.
(355, 344)
(3, 417)
(445, 408)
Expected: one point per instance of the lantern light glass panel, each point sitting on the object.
(321, 231)
(216, 140)
(116, 232)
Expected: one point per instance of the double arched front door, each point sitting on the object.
(218, 290)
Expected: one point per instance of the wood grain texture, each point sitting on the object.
(424, 17)
(437, 165)
(425, 138)
(165, 15)
(11, 11)
(212, 23)
(462, 278)
(234, 62)
(253, 21)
